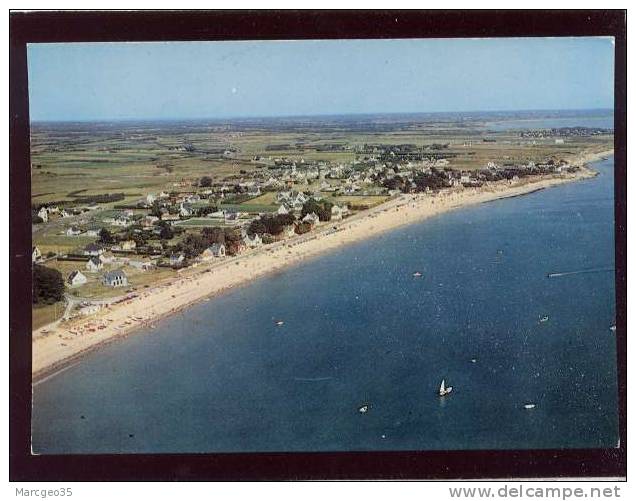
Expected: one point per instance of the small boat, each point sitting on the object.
(529, 406)
(443, 389)
(364, 409)
(613, 328)
(279, 323)
(544, 319)
(417, 274)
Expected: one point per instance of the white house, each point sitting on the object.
(232, 217)
(282, 210)
(94, 264)
(301, 198)
(215, 250)
(36, 255)
(93, 250)
(185, 210)
(128, 245)
(121, 221)
(177, 259)
(150, 198)
(116, 278)
(166, 216)
(218, 250)
(149, 221)
(283, 195)
(73, 232)
(336, 213)
(253, 241)
(76, 278)
(142, 265)
(312, 219)
(43, 214)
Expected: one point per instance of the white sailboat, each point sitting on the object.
(443, 389)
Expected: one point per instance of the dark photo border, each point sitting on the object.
(102, 26)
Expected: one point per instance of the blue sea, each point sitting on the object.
(360, 329)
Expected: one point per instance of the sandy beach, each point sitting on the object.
(56, 347)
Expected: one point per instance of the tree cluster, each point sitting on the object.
(434, 180)
(48, 285)
(322, 209)
(195, 243)
(272, 224)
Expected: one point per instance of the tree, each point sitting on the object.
(322, 209)
(48, 285)
(308, 207)
(204, 211)
(257, 226)
(205, 182)
(213, 235)
(285, 219)
(166, 232)
(192, 245)
(303, 228)
(105, 236)
(155, 210)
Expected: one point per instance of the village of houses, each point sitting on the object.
(206, 220)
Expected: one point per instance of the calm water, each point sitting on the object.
(601, 121)
(359, 328)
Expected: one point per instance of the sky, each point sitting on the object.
(187, 80)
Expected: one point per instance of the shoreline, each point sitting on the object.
(56, 350)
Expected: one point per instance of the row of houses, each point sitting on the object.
(45, 212)
(115, 278)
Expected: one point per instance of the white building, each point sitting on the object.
(253, 241)
(312, 219)
(177, 259)
(36, 255)
(43, 214)
(76, 278)
(142, 265)
(336, 213)
(94, 264)
(116, 278)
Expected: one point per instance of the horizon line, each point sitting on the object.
(299, 116)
